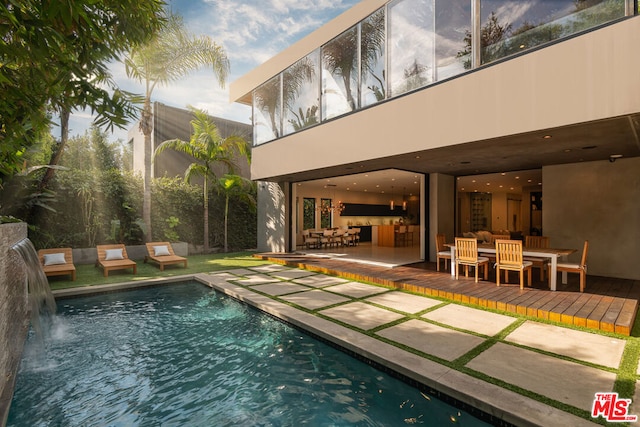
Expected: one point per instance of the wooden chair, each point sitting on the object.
(356, 236)
(537, 242)
(114, 257)
(57, 262)
(509, 258)
(309, 241)
(581, 268)
(400, 235)
(467, 255)
(441, 251)
(162, 254)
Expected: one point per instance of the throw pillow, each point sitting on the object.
(113, 254)
(161, 250)
(54, 259)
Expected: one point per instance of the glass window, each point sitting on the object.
(411, 45)
(325, 213)
(512, 26)
(309, 213)
(453, 33)
(267, 111)
(340, 74)
(301, 94)
(372, 63)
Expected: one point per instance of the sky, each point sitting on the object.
(251, 32)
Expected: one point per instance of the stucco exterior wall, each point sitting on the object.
(599, 202)
(441, 209)
(271, 218)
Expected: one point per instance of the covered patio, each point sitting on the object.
(607, 304)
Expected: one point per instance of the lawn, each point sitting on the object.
(89, 275)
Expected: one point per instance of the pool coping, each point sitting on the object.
(500, 403)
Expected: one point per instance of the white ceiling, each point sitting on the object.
(385, 182)
(401, 182)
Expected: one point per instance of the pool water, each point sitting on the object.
(185, 355)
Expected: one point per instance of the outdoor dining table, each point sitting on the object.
(552, 253)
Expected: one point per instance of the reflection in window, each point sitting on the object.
(372, 52)
(340, 74)
(300, 94)
(411, 45)
(325, 213)
(512, 26)
(266, 111)
(308, 213)
(453, 23)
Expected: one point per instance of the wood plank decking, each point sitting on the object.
(608, 304)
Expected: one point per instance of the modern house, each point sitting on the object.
(171, 123)
(439, 107)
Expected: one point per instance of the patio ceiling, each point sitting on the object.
(585, 142)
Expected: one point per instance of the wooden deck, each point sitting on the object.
(607, 304)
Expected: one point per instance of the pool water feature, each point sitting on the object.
(184, 354)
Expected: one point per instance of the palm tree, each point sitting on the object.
(168, 57)
(234, 185)
(208, 149)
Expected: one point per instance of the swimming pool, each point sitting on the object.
(183, 354)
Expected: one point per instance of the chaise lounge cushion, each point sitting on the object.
(161, 250)
(113, 254)
(54, 259)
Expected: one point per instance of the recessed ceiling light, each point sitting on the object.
(517, 177)
(589, 147)
(547, 137)
(567, 150)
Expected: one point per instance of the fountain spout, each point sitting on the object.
(41, 301)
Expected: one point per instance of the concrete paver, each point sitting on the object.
(320, 281)
(315, 299)
(281, 288)
(356, 289)
(431, 339)
(598, 349)
(402, 301)
(269, 268)
(291, 274)
(470, 319)
(361, 315)
(257, 279)
(559, 379)
(240, 272)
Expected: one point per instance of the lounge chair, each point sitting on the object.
(114, 257)
(57, 262)
(162, 253)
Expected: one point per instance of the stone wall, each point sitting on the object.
(14, 314)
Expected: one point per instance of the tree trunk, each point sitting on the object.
(59, 148)
(206, 216)
(146, 127)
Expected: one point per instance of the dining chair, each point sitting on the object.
(356, 236)
(309, 241)
(538, 262)
(509, 258)
(327, 238)
(467, 255)
(441, 251)
(581, 268)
